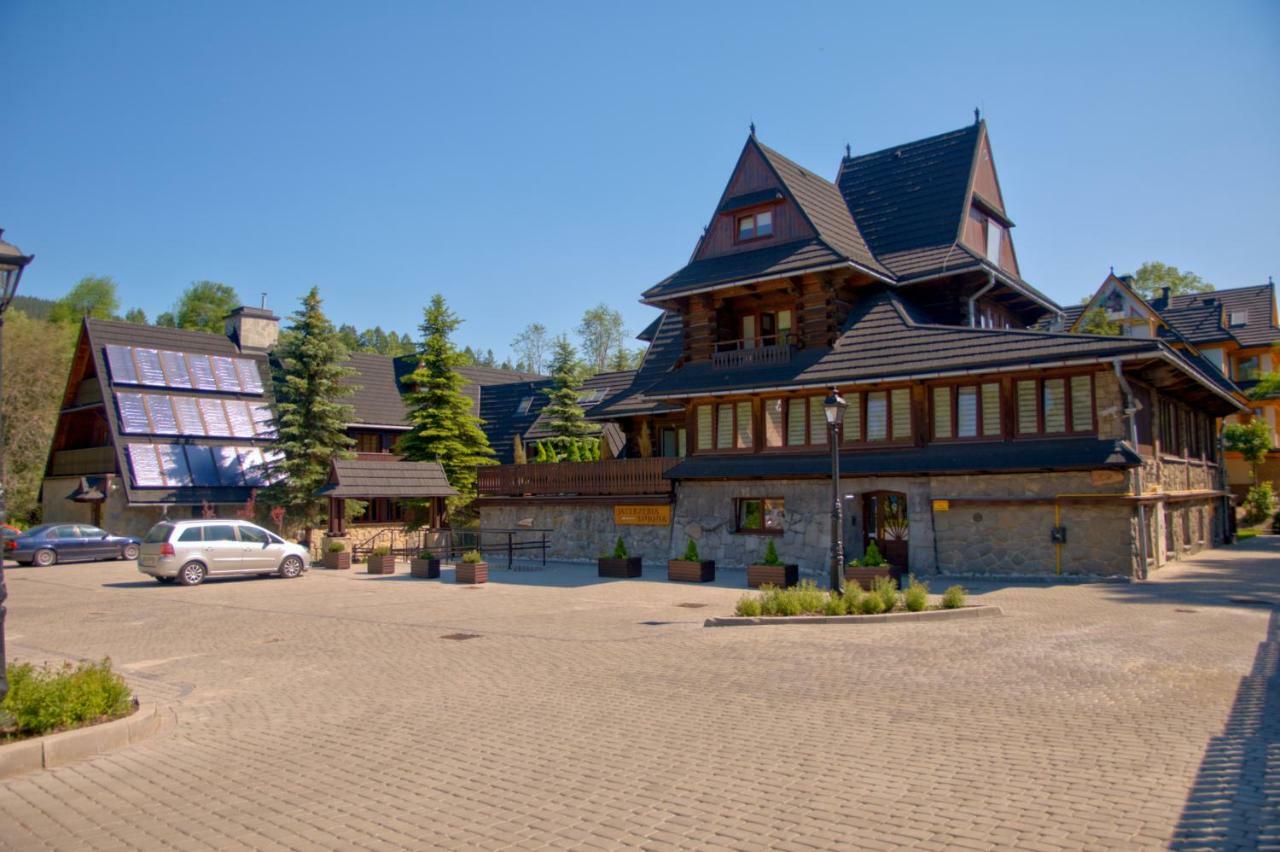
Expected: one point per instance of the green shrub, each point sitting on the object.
(954, 597)
(48, 698)
(472, 557)
(691, 551)
(886, 588)
(620, 549)
(870, 604)
(1259, 503)
(337, 546)
(836, 605)
(771, 554)
(872, 558)
(852, 597)
(810, 598)
(916, 597)
(426, 555)
(381, 550)
(749, 606)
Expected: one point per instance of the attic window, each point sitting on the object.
(591, 397)
(755, 225)
(995, 236)
(1238, 318)
(525, 405)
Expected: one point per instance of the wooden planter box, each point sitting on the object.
(684, 571)
(864, 577)
(340, 561)
(381, 565)
(781, 576)
(426, 569)
(610, 567)
(471, 573)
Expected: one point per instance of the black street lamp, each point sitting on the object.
(12, 262)
(834, 406)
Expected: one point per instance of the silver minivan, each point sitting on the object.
(189, 551)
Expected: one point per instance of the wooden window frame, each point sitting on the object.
(759, 312)
(955, 412)
(888, 440)
(737, 514)
(1068, 414)
(733, 403)
(752, 213)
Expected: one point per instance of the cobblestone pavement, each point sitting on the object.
(334, 711)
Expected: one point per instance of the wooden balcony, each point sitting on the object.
(82, 462)
(752, 353)
(617, 477)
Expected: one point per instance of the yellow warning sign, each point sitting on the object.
(942, 505)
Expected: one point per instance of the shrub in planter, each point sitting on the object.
(864, 571)
(771, 571)
(954, 597)
(691, 569)
(424, 566)
(916, 597)
(381, 561)
(619, 564)
(336, 556)
(472, 569)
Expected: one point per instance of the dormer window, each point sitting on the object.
(1238, 318)
(525, 405)
(995, 237)
(755, 225)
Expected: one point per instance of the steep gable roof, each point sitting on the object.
(1206, 317)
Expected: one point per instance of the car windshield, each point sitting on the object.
(159, 533)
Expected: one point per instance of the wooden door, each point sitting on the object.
(885, 522)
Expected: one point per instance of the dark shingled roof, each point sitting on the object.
(1205, 317)
(595, 390)
(931, 459)
(772, 262)
(661, 356)
(376, 399)
(365, 478)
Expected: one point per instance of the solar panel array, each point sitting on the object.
(162, 414)
(200, 465)
(135, 365)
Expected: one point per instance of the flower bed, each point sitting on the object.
(48, 699)
(806, 599)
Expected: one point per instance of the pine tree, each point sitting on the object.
(310, 417)
(444, 428)
(563, 410)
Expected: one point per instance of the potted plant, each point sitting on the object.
(691, 569)
(381, 561)
(771, 571)
(619, 564)
(425, 566)
(864, 571)
(472, 570)
(336, 556)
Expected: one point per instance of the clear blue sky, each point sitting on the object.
(530, 160)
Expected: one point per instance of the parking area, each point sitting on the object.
(550, 709)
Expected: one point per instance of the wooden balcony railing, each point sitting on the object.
(774, 349)
(88, 460)
(588, 479)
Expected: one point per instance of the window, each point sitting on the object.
(773, 433)
(797, 427)
(1247, 369)
(1238, 318)
(995, 236)
(732, 426)
(368, 442)
(817, 421)
(704, 427)
(759, 515)
(1170, 438)
(766, 328)
(191, 534)
(852, 427)
(724, 427)
(877, 416)
(66, 532)
(966, 411)
(253, 535)
(1055, 406)
(742, 416)
(525, 405)
(755, 225)
(220, 532)
(381, 510)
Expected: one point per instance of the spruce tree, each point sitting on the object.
(444, 428)
(563, 410)
(310, 418)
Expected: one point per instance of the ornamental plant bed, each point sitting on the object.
(337, 560)
(424, 567)
(867, 570)
(772, 571)
(806, 600)
(618, 564)
(471, 570)
(691, 569)
(50, 699)
(381, 563)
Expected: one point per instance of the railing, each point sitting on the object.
(592, 479)
(449, 544)
(82, 462)
(771, 349)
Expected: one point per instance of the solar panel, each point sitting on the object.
(238, 418)
(188, 411)
(201, 372)
(175, 369)
(263, 421)
(133, 414)
(271, 461)
(163, 421)
(173, 465)
(227, 460)
(250, 378)
(215, 419)
(145, 466)
(251, 463)
(204, 472)
(149, 370)
(120, 361)
(224, 371)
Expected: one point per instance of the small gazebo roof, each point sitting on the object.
(364, 479)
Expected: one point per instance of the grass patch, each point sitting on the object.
(1246, 534)
(47, 699)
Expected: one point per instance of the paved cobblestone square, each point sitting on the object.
(331, 711)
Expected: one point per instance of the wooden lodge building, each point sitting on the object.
(976, 440)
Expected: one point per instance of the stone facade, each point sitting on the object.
(580, 531)
(118, 517)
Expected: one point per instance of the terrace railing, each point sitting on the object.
(773, 349)
(585, 479)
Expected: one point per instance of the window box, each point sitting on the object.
(471, 573)
(866, 577)
(381, 564)
(340, 561)
(425, 569)
(686, 571)
(782, 576)
(625, 568)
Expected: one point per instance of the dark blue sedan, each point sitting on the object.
(50, 543)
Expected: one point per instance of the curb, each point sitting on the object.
(968, 612)
(55, 750)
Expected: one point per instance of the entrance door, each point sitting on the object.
(884, 516)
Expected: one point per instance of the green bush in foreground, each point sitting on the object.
(472, 557)
(748, 606)
(886, 588)
(691, 551)
(916, 598)
(954, 597)
(871, 604)
(50, 698)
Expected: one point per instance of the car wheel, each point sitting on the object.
(44, 558)
(165, 580)
(291, 567)
(191, 574)
(130, 551)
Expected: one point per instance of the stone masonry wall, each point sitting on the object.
(580, 531)
(1110, 404)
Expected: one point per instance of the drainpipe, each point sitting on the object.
(1131, 414)
(991, 282)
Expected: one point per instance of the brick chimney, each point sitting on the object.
(255, 329)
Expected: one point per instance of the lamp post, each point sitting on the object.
(833, 406)
(12, 262)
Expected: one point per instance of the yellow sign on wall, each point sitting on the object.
(942, 505)
(642, 516)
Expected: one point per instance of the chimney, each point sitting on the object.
(1165, 292)
(255, 329)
